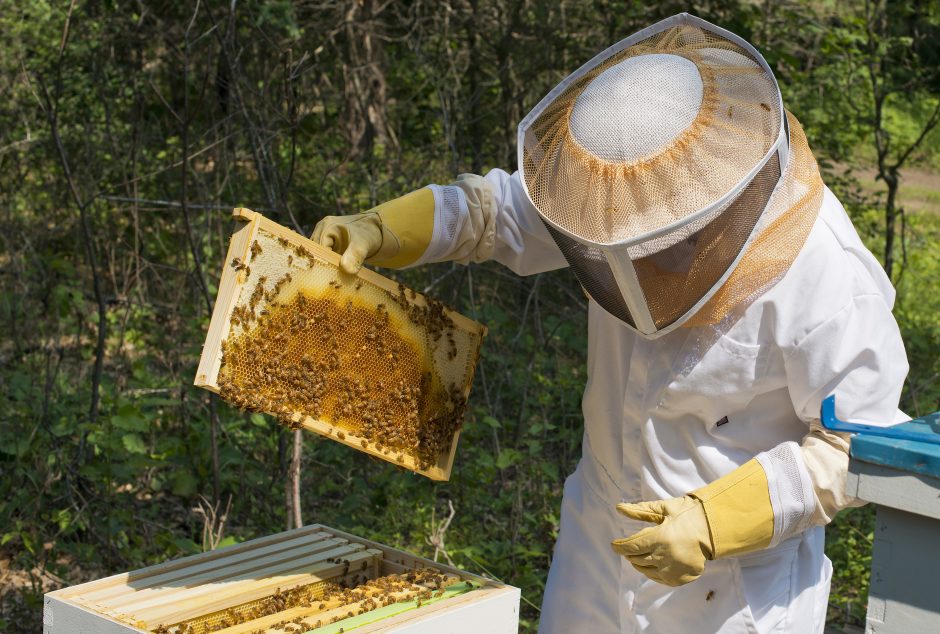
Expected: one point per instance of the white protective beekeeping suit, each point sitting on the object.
(729, 295)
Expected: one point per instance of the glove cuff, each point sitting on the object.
(407, 225)
(738, 509)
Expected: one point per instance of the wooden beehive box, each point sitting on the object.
(360, 359)
(288, 582)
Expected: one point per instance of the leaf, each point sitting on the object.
(62, 427)
(184, 483)
(134, 443)
(492, 422)
(15, 446)
(549, 469)
(258, 420)
(63, 519)
(230, 455)
(28, 542)
(507, 458)
(186, 546)
(129, 418)
(228, 541)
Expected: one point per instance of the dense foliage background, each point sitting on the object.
(128, 131)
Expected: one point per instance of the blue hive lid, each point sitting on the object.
(903, 454)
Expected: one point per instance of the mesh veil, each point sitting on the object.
(605, 201)
(783, 230)
(653, 165)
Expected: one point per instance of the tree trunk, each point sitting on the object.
(364, 74)
(295, 476)
(892, 181)
(475, 117)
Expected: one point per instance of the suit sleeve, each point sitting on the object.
(858, 356)
(490, 218)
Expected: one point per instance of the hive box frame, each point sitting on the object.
(210, 363)
(491, 608)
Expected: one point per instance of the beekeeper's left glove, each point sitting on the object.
(730, 516)
(394, 234)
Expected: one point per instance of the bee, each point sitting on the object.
(765, 107)
(711, 593)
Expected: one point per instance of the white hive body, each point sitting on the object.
(313, 579)
(360, 359)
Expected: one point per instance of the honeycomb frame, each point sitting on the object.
(235, 285)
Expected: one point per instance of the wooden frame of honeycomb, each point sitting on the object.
(361, 359)
(312, 579)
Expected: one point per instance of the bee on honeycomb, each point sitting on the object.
(305, 342)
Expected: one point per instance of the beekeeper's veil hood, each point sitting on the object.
(666, 169)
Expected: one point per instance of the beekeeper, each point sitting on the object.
(729, 295)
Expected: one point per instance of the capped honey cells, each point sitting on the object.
(337, 361)
(385, 369)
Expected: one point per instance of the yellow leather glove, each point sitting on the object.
(730, 516)
(394, 234)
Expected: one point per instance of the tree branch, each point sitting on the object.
(49, 109)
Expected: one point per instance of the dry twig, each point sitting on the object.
(436, 538)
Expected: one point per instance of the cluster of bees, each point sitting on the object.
(360, 596)
(303, 596)
(182, 628)
(418, 586)
(432, 317)
(344, 362)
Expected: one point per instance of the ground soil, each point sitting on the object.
(920, 188)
